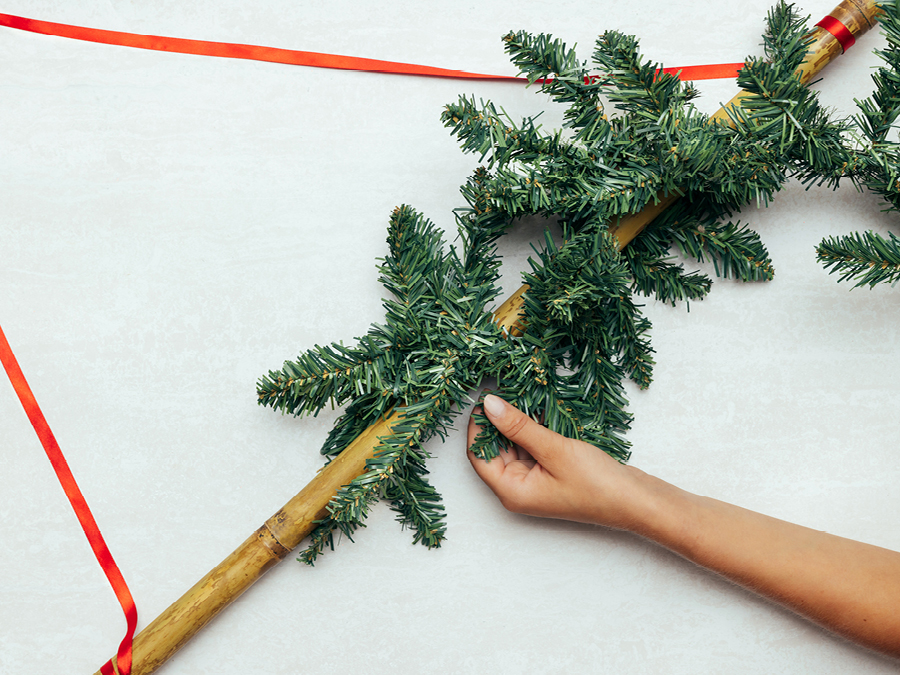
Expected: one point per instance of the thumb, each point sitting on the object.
(539, 441)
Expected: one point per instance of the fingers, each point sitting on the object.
(560, 478)
(489, 472)
(538, 441)
(492, 472)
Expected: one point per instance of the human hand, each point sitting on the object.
(846, 586)
(546, 474)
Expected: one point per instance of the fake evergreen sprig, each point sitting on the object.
(584, 336)
(868, 258)
(784, 116)
(582, 333)
(601, 167)
(422, 362)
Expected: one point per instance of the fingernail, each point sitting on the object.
(494, 406)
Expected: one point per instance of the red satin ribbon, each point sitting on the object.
(79, 505)
(297, 58)
(839, 30)
(712, 71)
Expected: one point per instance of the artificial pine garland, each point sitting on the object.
(583, 332)
(868, 257)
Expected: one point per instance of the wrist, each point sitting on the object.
(653, 508)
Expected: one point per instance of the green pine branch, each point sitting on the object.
(417, 504)
(866, 258)
(637, 86)
(735, 251)
(326, 375)
(655, 276)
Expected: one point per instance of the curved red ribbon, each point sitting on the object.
(79, 505)
(839, 30)
(292, 57)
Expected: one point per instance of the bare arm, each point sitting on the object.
(846, 586)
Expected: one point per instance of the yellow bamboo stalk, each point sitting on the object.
(295, 520)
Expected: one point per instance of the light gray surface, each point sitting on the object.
(174, 226)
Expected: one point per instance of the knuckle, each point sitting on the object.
(513, 501)
(511, 504)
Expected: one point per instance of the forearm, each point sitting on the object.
(846, 586)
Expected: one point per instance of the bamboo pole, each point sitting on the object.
(295, 520)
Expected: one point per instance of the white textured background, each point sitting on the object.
(171, 227)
